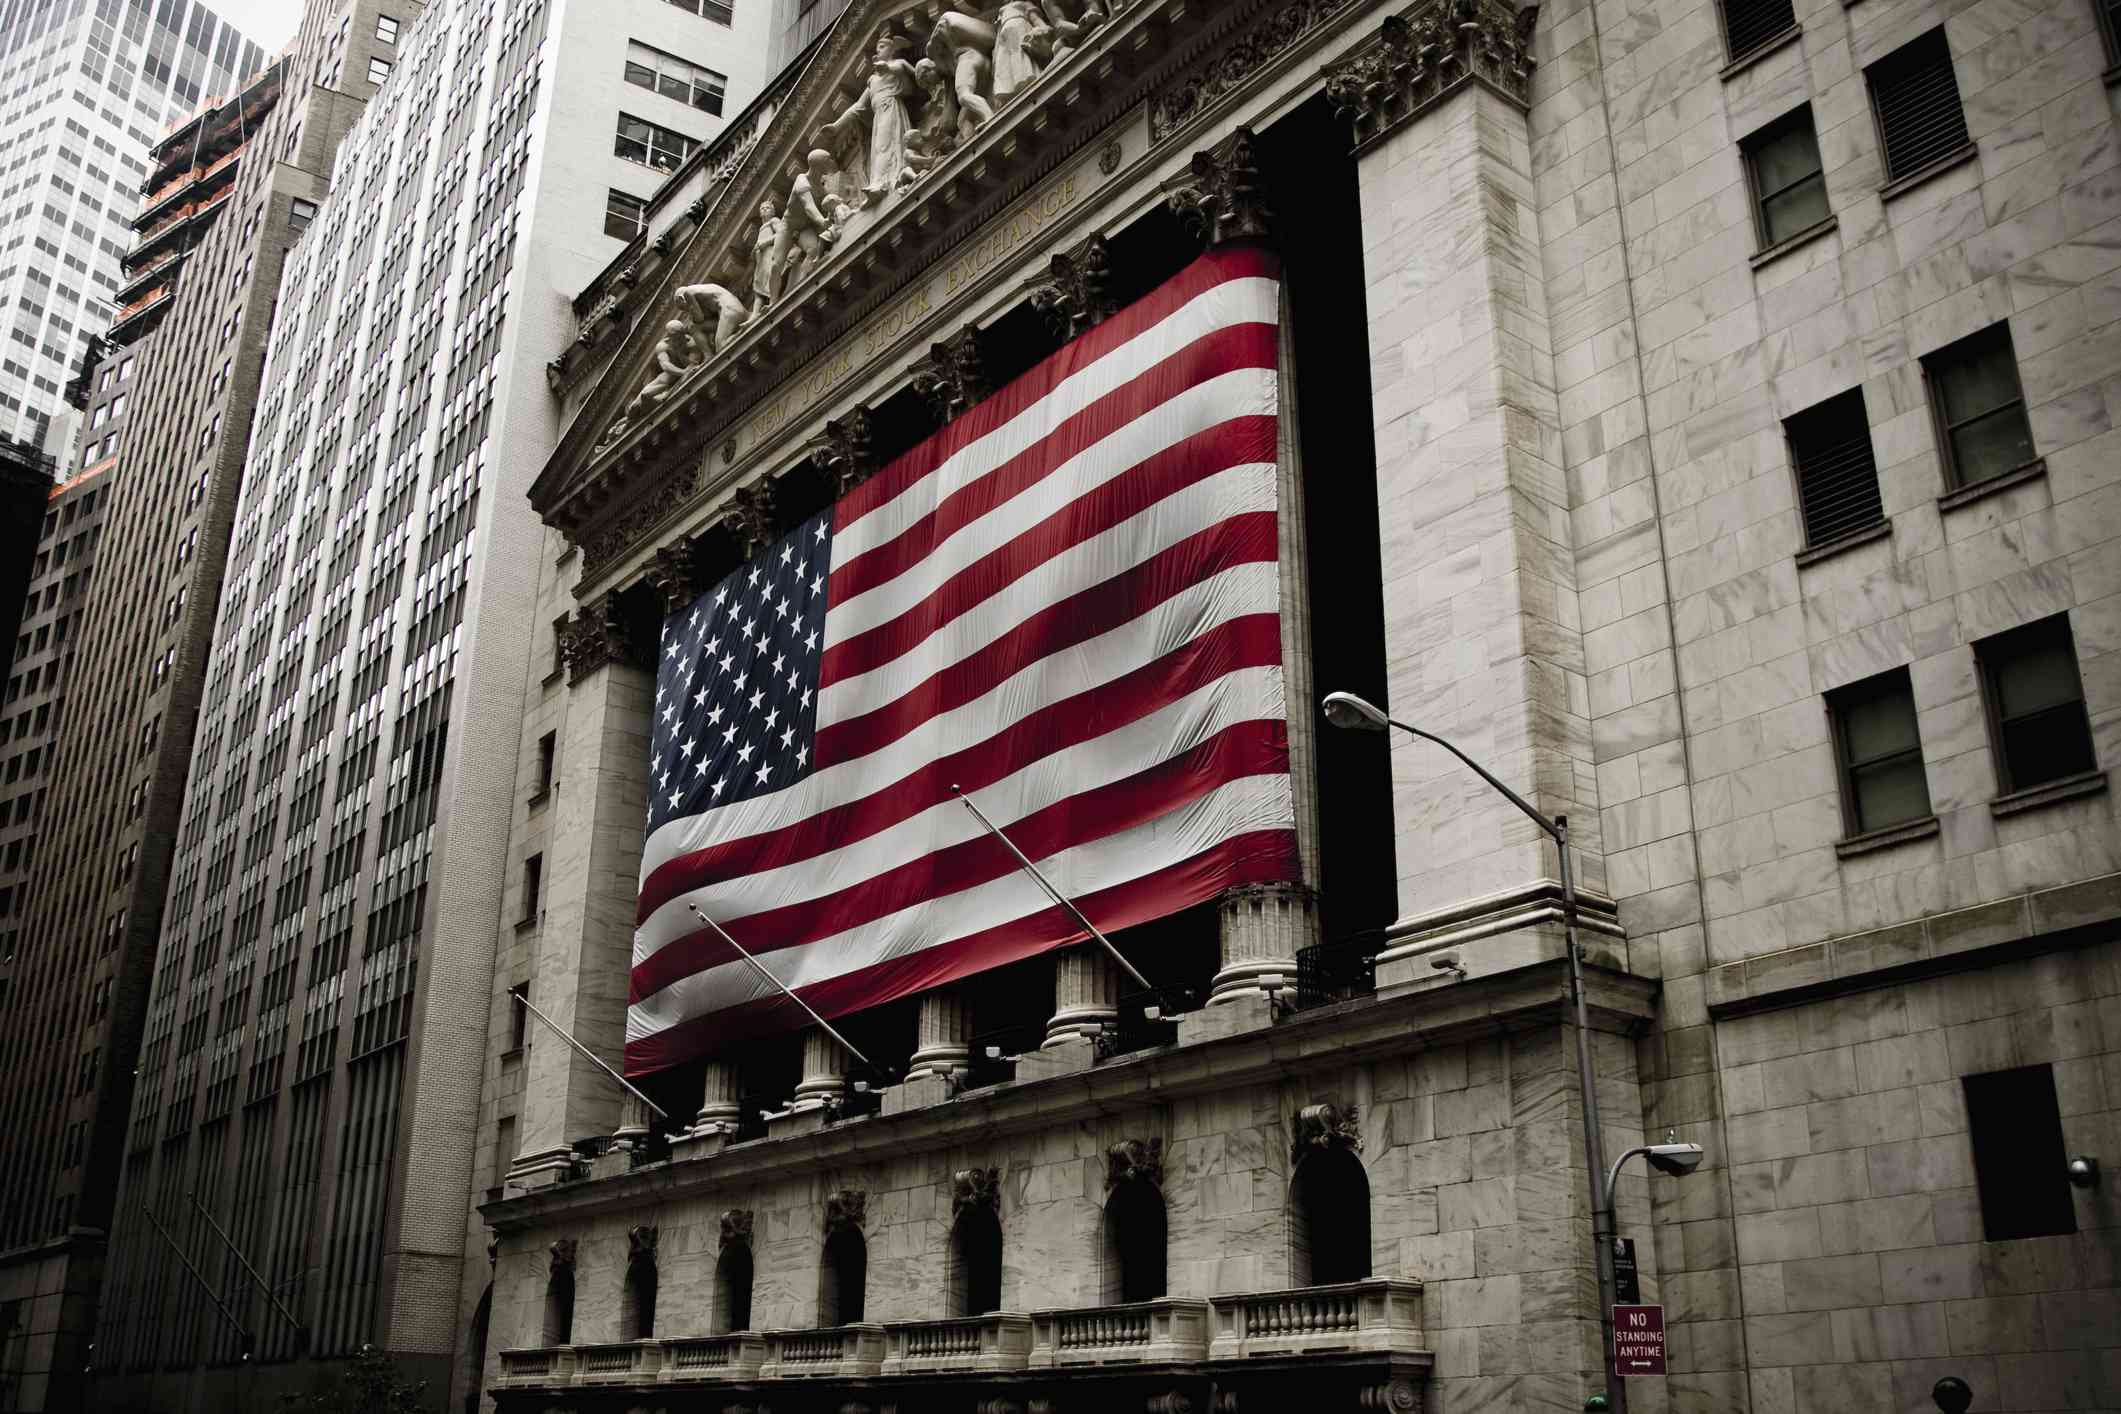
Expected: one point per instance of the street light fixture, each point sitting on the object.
(1345, 709)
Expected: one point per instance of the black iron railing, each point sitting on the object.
(1337, 971)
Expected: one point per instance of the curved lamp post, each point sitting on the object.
(1345, 709)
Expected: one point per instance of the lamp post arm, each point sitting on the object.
(1510, 795)
(1612, 1176)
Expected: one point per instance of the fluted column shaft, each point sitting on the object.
(1085, 994)
(943, 1042)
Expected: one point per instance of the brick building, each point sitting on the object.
(1702, 415)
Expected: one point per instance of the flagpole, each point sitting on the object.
(823, 1025)
(595, 1059)
(1056, 895)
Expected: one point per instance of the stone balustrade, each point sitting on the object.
(1375, 1316)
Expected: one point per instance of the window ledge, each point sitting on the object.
(1803, 238)
(2074, 787)
(525, 925)
(1760, 51)
(1938, 168)
(2112, 76)
(1990, 485)
(552, 677)
(1812, 556)
(513, 1053)
(1907, 832)
(538, 798)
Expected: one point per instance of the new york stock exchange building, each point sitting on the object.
(1704, 417)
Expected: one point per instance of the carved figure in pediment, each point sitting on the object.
(765, 262)
(961, 47)
(1070, 31)
(808, 225)
(942, 121)
(712, 307)
(1023, 42)
(676, 354)
(881, 116)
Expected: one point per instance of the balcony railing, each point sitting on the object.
(1379, 1316)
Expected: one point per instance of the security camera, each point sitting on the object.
(1152, 1013)
(1448, 962)
(1674, 1159)
(2083, 1171)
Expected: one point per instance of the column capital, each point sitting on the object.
(1075, 294)
(597, 636)
(842, 451)
(675, 576)
(1424, 54)
(1219, 197)
(749, 517)
(953, 376)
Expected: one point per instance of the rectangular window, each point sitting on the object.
(519, 1015)
(2110, 28)
(1915, 95)
(386, 29)
(2036, 704)
(1837, 478)
(642, 141)
(299, 214)
(548, 751)
(1880, 752)
(1789, 189)
(1979, 406)
(2020, 1162)
(1750, 24)
(624, 215)
(559, 647)
(719, 11)
(674, 78)
(378, 70)
(533, 883)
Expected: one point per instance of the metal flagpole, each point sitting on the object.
(1056, 895)
(229, 1242)
(204, 1285)
(598, 1061)
(823, 1025)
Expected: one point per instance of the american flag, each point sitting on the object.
(1067, 603)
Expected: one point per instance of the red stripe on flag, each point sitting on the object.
(1242, 539)
(1252, 641)
(1211, 450)
(1260, 857)
(1220, 351)
(1217, 267)
(1244, 749)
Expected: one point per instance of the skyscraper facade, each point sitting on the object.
(86, 88)
(315, 1034)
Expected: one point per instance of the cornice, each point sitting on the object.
(1422, 55)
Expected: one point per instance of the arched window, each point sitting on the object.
(1329, 1219)
(559, 1295)
(843, 1278)
(976, 1244)
(637, 1297)
(732, 1275)
(1134, 1243)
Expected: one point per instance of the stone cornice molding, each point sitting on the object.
(1427, 53)
(1219, 197)
(1213, 77)
(1075, 294)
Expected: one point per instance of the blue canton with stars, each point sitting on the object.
(736, 682)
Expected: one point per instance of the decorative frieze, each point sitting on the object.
(1219, 198)
(848, 1208)
(597, 637)
(736, 1228)
(976, 1188)
(1323, 1126)
(1428, 52)
(1135, 1161)
(1225, 70)
(616, 537)
(951, 378)
(1076, 294)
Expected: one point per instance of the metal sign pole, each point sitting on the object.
(219, 1305)
(823, 1025)
(660, 1112)
(229, 1242)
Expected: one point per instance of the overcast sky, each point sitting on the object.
(270, 22)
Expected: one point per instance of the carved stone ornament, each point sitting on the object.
(842, 451)
(1173, 1401)
(1076, 294)
(675, 577)
(597, 637)
(1326, 1126)
(736, 1227)
(976, 1188)
(1428, 52)
(1135, 1161)
(1398, 1396)
(640, 1243)
(563, 1254)
(1219, 199)
(847, 1208)
(952, 378)
(749, 516)
(1222, 72)
(493, 1248)
(618, 536)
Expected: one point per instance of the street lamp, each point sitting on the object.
(1345, 709)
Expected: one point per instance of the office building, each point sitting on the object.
(86, 88)
(314, 1032)
(1700, 414)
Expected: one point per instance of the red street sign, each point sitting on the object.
(1638, 1340)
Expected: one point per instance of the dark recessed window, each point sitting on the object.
(559, 645)
(1749, 24)
(1980, 406)
(2036, 704)
(1880, 753)
(1789, 189)
(1916, 97)
(624, 215)
(1837, 479)
(533, 884)
(548, 750)
(2020, 1162)
(519, 1016)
